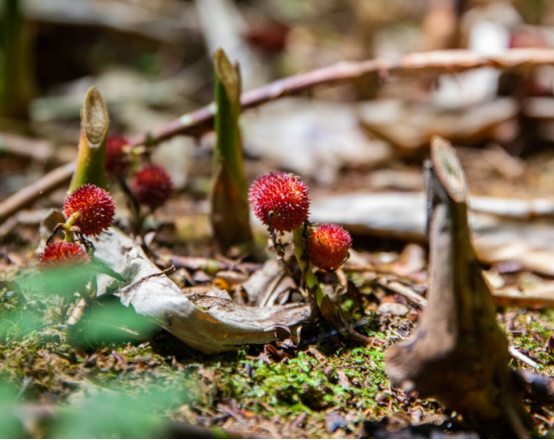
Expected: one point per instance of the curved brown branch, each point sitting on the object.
(201, 120)
(30, 194)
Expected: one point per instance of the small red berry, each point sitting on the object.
(62, 253)
(152, 186)
(117, 159)
(328, 246)
(95, 208)
(280, 200)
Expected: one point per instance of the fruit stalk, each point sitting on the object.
(309, 280)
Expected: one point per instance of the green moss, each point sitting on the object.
(533, 330)
(304, 384)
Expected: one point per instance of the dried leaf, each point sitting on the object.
(210, 322)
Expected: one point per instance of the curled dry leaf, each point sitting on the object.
(210, 322)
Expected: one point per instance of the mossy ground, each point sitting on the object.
(326, 388)
(330, 387)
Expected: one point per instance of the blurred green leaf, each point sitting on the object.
(107, 321)
(112, 414)
(10, 425)
(18, 322)
(64, 280)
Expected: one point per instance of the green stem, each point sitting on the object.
(69, 236)
(309, 280)
(229, 209)
(228, 145)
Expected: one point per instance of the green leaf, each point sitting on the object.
(114, 414)
(10, 425)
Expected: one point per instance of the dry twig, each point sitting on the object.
(201, 120)
(34, 149)
(541, 297)
(36, 190)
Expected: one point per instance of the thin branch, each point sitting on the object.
(201, 120)
(542, 299)
(25, 197)
(401, 289)
(34, 149)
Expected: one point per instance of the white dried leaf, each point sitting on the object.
(209, 322)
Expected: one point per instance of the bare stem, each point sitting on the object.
(16, 79)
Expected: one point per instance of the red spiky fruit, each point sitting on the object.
(280, 200)
(95, 208)
(117, 159)
(152, 186)
(62, 253)
(258, 183)
(328, 246)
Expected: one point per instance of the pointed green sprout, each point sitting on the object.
(91, 162)
(230, 216)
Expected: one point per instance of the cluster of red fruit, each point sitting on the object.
(92, 210)
(151, 186)
(281, 202)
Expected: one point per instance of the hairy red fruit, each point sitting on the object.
(117, 159)
(280, 200)
(93, 208)
(258, 183)
(328, 246)
(62, 253)
(152, 186)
